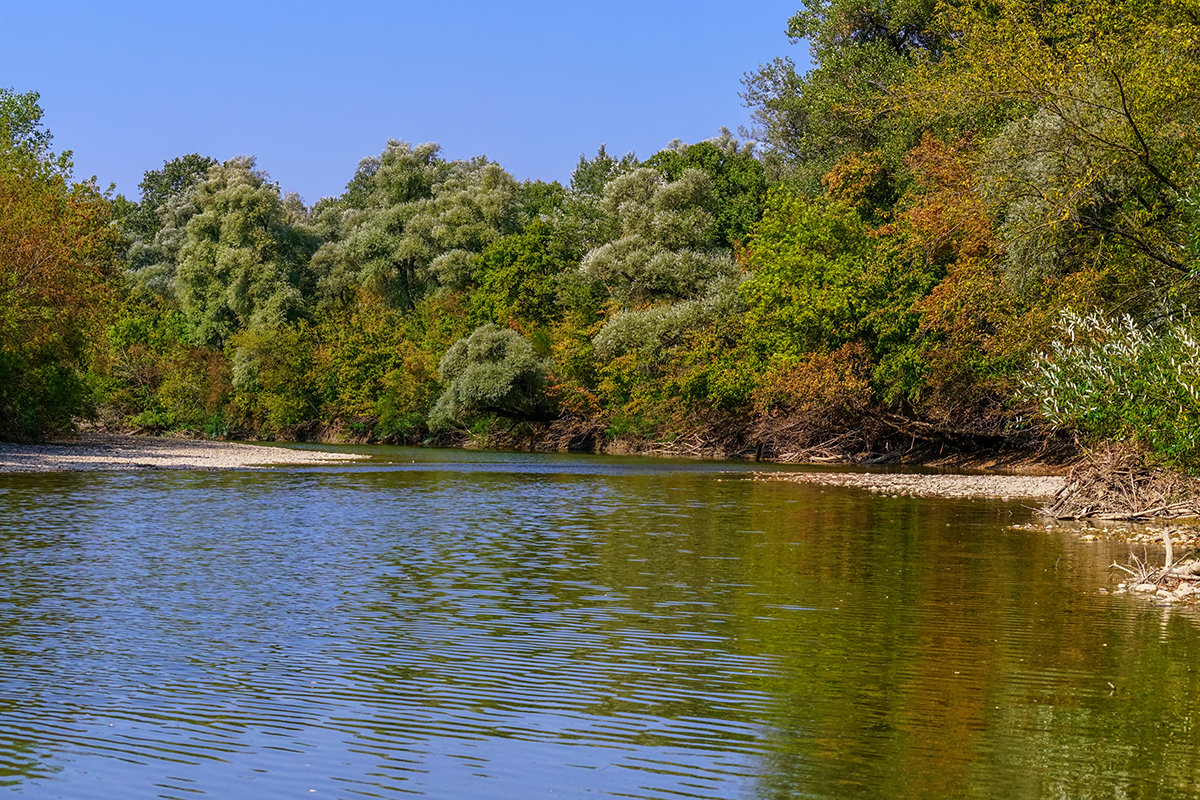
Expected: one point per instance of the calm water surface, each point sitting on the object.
(459, 625)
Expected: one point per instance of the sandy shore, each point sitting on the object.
(118, 453)
(911, 485)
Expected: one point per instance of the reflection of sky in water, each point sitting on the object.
(503, 625)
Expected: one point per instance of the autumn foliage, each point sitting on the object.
(57, 260)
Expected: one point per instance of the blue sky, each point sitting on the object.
(311, 88)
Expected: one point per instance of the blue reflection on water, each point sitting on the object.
(491, 625)
(441, 627)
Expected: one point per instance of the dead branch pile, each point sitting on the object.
(568, 434)
(692, 445)
(705, 437)
(840, 447)
(880, 437)
(1114, 483)
(798, 439)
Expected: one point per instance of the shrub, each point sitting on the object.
(834, 388)
(1117, 379)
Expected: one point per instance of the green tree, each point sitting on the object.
(272, 378)
(592, 174)
(402, 173)
(142, 221)
(1100, 132)
(158, 224)
(57, 250)
(154, 378)
(374, 375)
(820, 281)
(25, 143)
(862, 51)
(492, 371)
(738, 180)
(244, 261)
(519, 276)
(365, 248)
(477, 204)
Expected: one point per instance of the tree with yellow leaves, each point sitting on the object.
(1092, 114)
(57, 251)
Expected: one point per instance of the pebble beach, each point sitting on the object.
(110, 452)
(922, 485)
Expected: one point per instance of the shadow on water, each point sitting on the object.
(502, 625)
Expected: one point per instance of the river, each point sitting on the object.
(482, 625)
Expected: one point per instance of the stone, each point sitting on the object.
(1143, 587)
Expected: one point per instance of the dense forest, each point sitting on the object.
(972, 224)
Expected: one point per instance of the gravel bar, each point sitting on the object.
(110, 453)
(914, 485)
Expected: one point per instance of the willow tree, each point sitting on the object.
(665, 245)
(738, 178)
(669, 281)
(244, 261)
(411, 223)
(365, 226)
(143, 220)
(157, 225)
(493, 371)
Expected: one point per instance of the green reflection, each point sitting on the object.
(698, 631)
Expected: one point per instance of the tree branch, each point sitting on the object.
(1144, 157)
(1142, 246)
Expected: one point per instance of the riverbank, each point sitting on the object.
(98, 451)
(117, 452)
(775, 440)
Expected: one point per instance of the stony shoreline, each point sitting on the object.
(922, 485)
(112, 452)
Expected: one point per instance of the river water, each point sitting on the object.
(473, 625)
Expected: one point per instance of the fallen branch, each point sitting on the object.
(1114, 483)
(1187, 508)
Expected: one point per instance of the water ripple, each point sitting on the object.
(510, 625)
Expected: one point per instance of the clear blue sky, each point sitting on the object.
(310, 88)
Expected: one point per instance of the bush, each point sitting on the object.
(273, 377)
(833, 389)
(1115, 379)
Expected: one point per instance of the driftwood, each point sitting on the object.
(693, 445)
(1140, 571)
(1115, 484)
(920, 429)
(825, 453)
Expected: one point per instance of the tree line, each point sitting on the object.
(969, 223)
